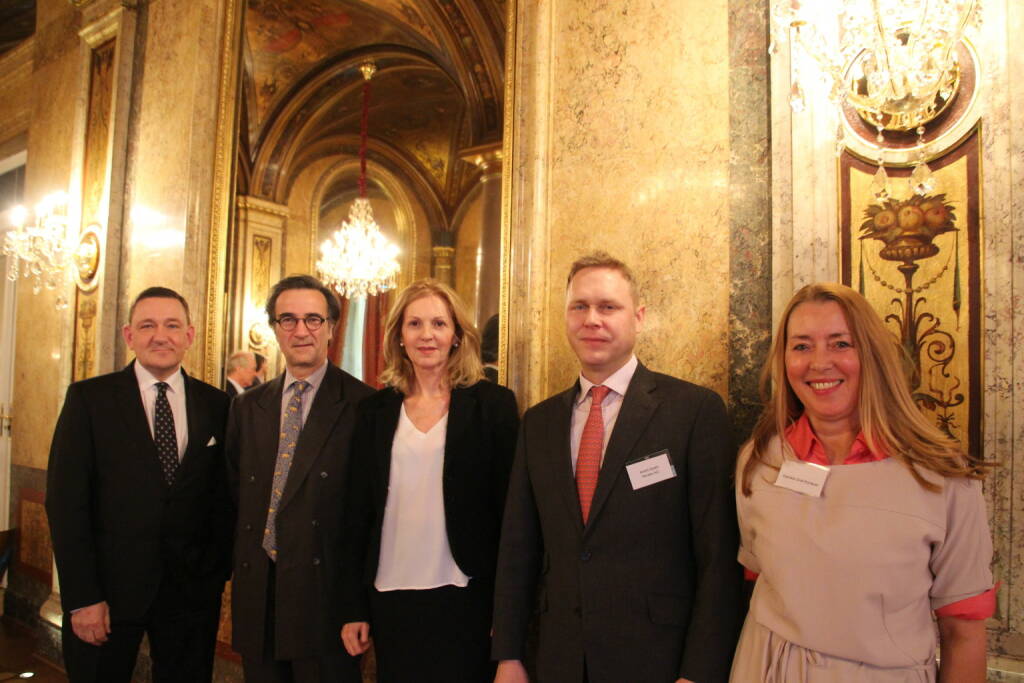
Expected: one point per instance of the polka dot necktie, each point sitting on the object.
(164, 435)
(291, 425)
(588, 458)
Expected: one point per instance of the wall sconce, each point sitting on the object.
(47, 249)
(258, 331)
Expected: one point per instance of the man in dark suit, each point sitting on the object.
(138, 506)
(240, 372)
(288, 454)
(620, 518)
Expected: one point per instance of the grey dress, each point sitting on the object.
(848, 581)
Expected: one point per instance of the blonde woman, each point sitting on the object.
(859, 518)
(431, 460)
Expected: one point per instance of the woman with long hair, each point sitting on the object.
(431, 459)
(859, 518)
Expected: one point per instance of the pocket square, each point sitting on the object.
(212, 441)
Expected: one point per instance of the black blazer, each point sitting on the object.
(117, 527)
(649, 590)
(478, 450)
(230, 389)
(307, 620)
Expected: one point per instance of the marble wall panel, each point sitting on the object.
(15, 90)
(750, 231)
(632, 157)
(170, 177)
(42, 349)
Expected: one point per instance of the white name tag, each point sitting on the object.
(803, 477)
(650, 470)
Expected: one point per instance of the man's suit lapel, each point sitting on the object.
(561, 460)
(129, 401)
(197, 421)
(327, 406)
(268, 427)
(638, 407)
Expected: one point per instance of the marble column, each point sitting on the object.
(488, 158)
(443, 258)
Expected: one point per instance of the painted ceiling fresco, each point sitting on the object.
(438, 88)
(288, 39)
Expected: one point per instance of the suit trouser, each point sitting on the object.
(182, 640)
(337, 667)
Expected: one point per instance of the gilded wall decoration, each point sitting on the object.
(916, 257)
(35, 554)
(261, 249)
(94, 181)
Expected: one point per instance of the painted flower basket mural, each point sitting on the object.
(908, 229)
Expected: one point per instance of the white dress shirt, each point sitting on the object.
(175, 397)
(414, 549)
(238, 387)
(617, 383)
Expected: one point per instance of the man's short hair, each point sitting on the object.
(261, 360)
(303, 282)
(238, 360)
(602, 259)
(159, 293)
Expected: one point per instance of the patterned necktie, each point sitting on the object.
(291, 425)
(164, 435)
(588, 459)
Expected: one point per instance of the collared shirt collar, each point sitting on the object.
(146, 379)
(808, 448)
(314, 379)
(618, 381)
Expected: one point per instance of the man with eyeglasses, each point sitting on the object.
(287, 446)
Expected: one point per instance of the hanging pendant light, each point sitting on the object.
(358, 259)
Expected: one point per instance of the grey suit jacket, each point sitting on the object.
(307, 607)
(649, 590)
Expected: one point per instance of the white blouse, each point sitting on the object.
(414, 550)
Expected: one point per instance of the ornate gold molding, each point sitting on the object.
(507, 142)
(223, 190)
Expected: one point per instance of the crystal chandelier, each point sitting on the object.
(44, 250)
(357, 259)
(894, 62)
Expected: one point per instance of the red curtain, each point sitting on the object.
(338, 339)
(373, 337)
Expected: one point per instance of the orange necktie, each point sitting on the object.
(588, 459)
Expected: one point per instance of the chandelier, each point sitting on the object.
(43, 250)
(357, 259)
(894, 62)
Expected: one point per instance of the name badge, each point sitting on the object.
(807, 478)
(650, 469)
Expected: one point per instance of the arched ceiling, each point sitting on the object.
(438, 88)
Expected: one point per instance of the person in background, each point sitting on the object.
(261, 369)
(431, 458)
(138, 506)
(287, 447)
(240, 372)
(620, 513)
(859, 518)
